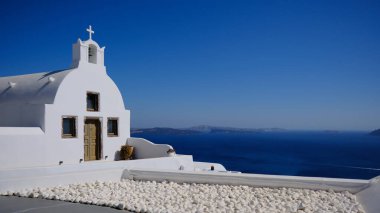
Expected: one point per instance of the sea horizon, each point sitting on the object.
(297, 153)
(263, 128)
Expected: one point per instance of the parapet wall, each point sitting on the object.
(22, 146)
(178, 169)
(23, 178)
(257, 180)
(146, 149)
(370, 196)
(367, 191)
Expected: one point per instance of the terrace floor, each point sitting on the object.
(15, 204)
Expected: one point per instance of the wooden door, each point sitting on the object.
(91, 140)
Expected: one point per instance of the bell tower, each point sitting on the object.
(88, 53)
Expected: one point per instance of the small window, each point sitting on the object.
(69, 129)
(112, 127)
(92, 101)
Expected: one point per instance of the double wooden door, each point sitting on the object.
(92, 148)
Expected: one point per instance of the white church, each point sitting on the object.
(70, 116)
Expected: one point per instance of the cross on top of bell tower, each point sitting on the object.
(88, 52)
(90, 32)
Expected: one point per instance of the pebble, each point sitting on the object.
(152, 197)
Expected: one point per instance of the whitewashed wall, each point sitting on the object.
(256, 180)
(370, 196)
(26, 148)
(17, 179)
(49, 148)
(71, 101)
(146, 149)
(206, 166)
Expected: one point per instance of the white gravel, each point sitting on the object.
(151, 196)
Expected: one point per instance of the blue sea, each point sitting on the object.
(317, 154)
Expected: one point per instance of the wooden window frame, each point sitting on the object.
(96, 104)
(75, 127)
(111, 134)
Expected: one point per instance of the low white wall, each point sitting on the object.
(18, 179)
(146, 149)
(24, 149)
(26, 182)
(206, 166)
(370, 197)
(256, 180)
(168, 169)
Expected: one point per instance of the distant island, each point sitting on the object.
(163, 131)
(216, 129)
(375, 132)
(201, 129)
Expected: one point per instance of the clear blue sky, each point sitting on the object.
(290, 64)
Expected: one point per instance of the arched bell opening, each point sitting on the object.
(92, 54)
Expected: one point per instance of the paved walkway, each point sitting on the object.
(13, 204)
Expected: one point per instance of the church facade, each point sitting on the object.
(63, 117)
